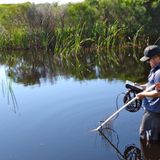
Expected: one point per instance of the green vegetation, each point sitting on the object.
(93, 25)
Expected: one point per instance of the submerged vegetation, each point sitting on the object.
(92, 25)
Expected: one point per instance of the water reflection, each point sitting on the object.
(31, 68)
(150, 151)
(115, 147)
(47, 110)
(146, 151)
(7, 92)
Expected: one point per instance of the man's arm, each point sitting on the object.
(153, 94)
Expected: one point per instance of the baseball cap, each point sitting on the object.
(149, 52)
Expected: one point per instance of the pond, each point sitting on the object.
(50, 105)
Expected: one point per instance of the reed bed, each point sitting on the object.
(54, 29)
(70, 40)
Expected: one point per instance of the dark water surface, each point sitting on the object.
(57, 106)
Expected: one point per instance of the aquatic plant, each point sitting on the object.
(7, 91)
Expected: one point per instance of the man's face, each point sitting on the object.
(154, 61)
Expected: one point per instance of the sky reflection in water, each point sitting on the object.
(53, 118)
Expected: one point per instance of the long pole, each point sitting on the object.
(115, 113)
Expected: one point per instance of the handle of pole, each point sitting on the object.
(115, 113)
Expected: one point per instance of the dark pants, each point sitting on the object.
(151, 150)
(150, 126)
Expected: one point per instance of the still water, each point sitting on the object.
(50, 117)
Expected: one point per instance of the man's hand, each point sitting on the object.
(140, 95)
(157, 86)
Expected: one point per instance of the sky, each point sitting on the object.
(38, 1)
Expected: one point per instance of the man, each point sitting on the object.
(150, 125)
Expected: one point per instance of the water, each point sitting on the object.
(54, 115)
